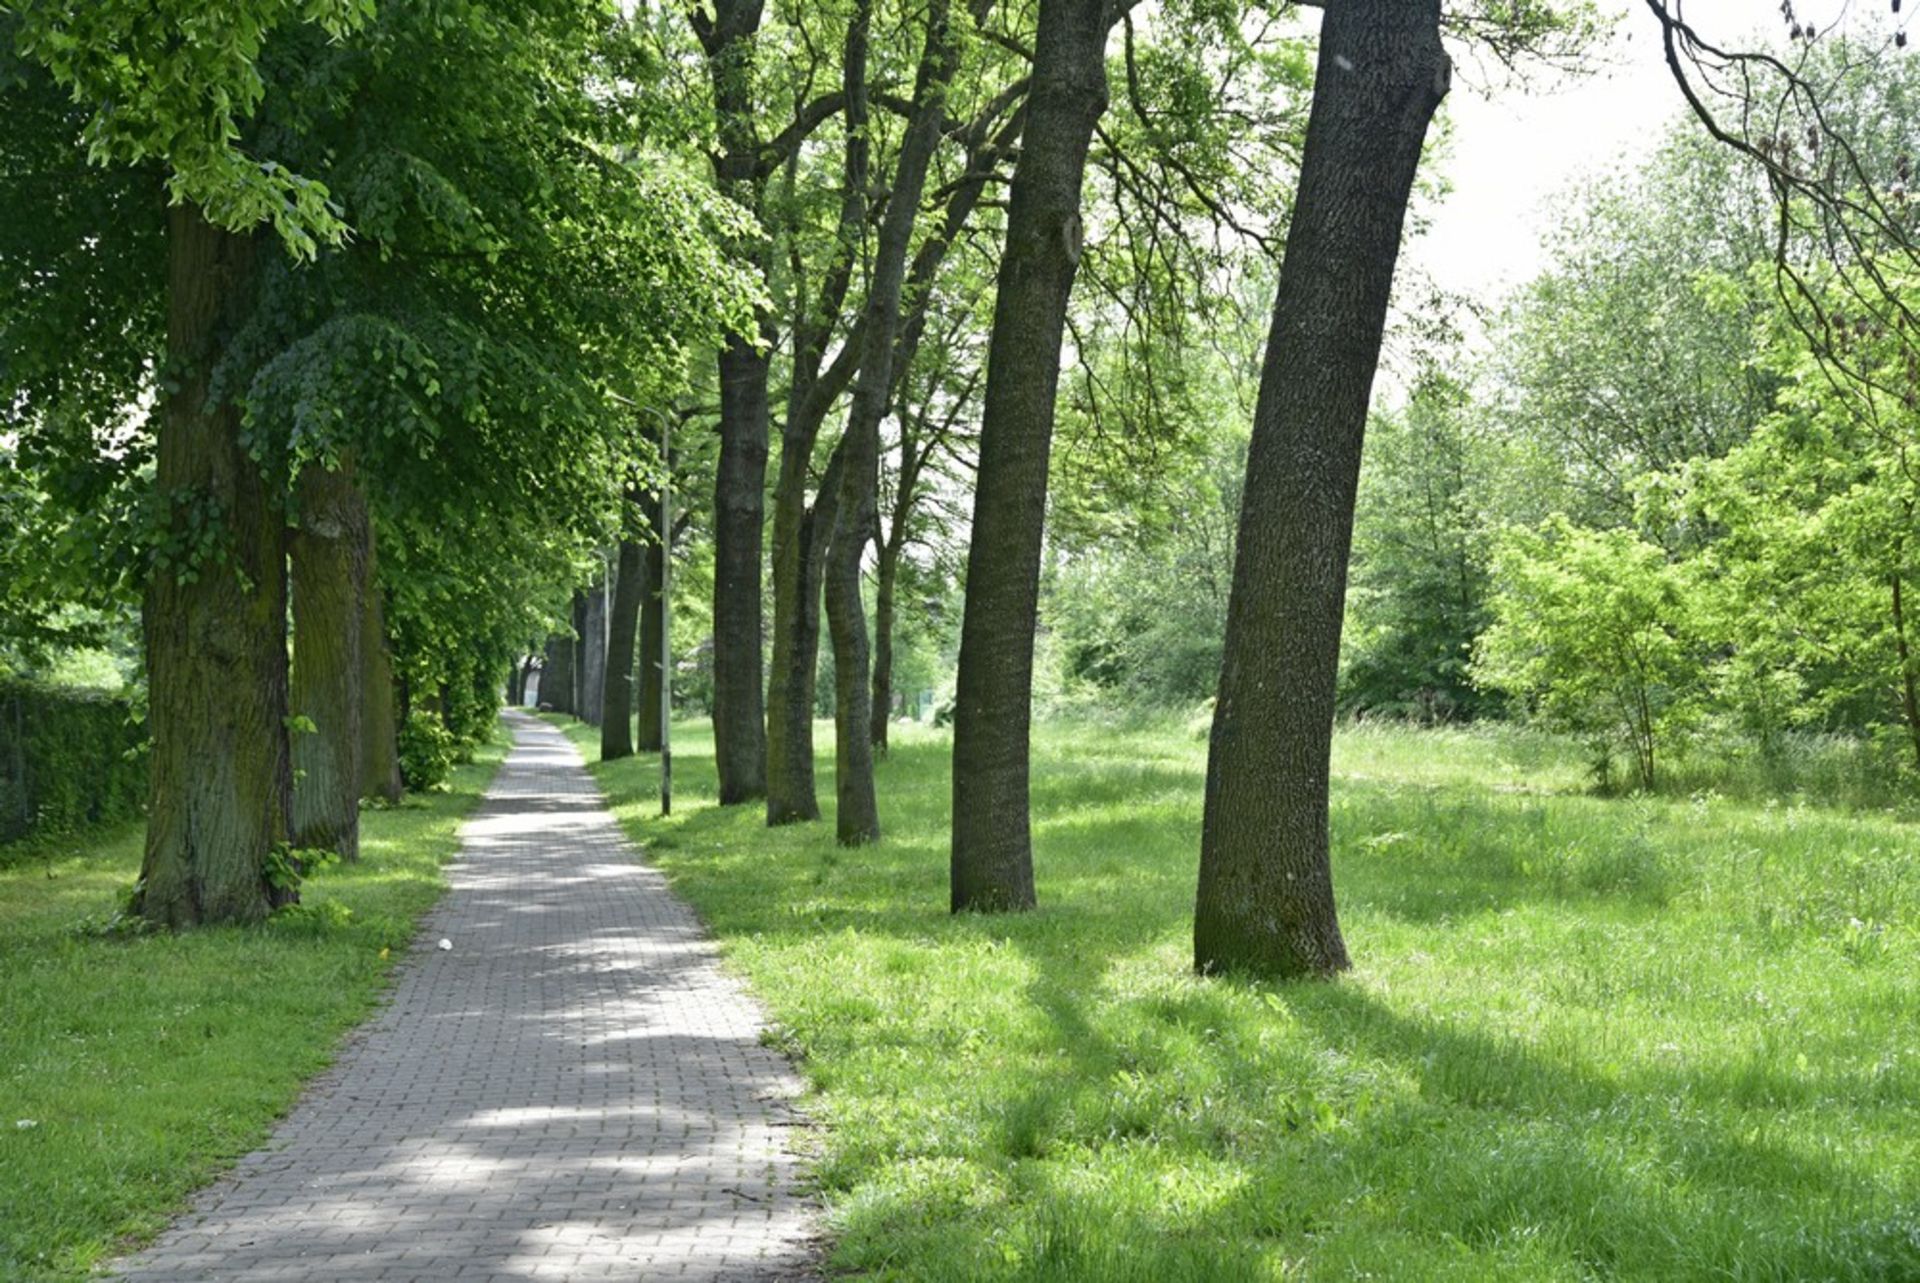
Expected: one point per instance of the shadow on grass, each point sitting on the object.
(1051, 1096)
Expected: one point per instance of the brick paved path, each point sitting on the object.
(575, 1091)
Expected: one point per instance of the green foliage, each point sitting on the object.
(1593, 630)
(1569, 1014)
(1811, 575)
(174, 84)
(427, 751)
(1632, 352)
(1417, 586)
(68, 758)
(288, 866)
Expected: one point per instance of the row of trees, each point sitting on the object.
(380, 311)
(341, 330)
(905, 191)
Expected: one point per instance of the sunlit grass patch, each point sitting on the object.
(1646, 1038)
(142, 1064)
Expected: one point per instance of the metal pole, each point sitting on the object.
(666, 618)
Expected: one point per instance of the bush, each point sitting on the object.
(427, 750)
(67, 758)
(1592, 628)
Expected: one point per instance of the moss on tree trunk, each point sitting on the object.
(215, 618)
(329, 566)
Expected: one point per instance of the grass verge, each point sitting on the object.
(132, 1070)
(1644, 1039)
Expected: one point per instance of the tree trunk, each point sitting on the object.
(556, 679)
(888, 575)
(992, 858)
(379, 727)
(221, 787)
(653, 620)
(593, 653)
(329, 560)
(1909, 696)
(1265, 901)
(858, 818)
(800, 533)
(739, 707)
(577, 657)
(616, 712)
(799, 565)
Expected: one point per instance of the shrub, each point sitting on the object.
(67, 758)
(1591, 627)
(427, 750)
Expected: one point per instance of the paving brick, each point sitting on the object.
(575, 1090)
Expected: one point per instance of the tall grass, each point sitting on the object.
(1652, 1038)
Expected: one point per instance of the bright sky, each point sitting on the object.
(1516, 150)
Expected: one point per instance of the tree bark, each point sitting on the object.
(799, 565)
(801, 533)
(329, 561)
(556, 679)
(593, 652)
(221, 787)
(629, 586)
(577, 657)
(858, 819)
(887, 575)
(379, 726)
(653, 620)
(739, 708)
(992, 856)
(1909, 696)
(1265, 901)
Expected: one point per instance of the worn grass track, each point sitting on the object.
(1586, 1038)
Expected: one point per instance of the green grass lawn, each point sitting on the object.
(1585, 1039)
(147, 1064)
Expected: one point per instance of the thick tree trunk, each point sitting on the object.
(221, 788)
(653, 620)
(888, 574)
(593, 653)
(1265, 901)
(739, 707)
(858, 819)
(379, 724)
(329, 561)
(992, 858)
(556, 679)
(616, 711)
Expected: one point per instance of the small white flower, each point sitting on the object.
(24, 1123)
